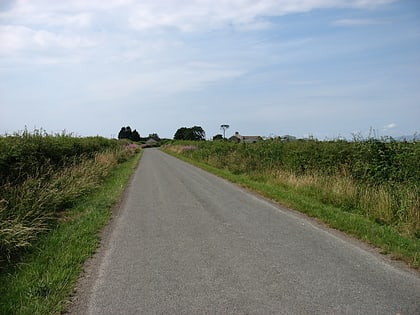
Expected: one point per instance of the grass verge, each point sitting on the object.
(45, 277)
(384, 237)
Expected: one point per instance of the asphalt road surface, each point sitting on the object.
(187, 242)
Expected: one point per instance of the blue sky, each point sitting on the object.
(326, 68)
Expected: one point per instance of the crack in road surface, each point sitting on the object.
(187, 242)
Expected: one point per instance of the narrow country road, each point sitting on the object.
(187, 242)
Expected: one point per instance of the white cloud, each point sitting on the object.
(196, 15)
(80, 20)
(183, 15)
(130, 57)
(35, 25)
(13, 38)
(144, 50)
(165, 81)
(27, 8)
(304, 82)
(358, 22)
(390, 126)
(17, 38)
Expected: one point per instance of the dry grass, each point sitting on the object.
(179, 148)
(383, 204)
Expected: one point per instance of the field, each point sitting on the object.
(42, 176)
(371, 179)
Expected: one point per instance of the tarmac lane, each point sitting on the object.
(187, 242)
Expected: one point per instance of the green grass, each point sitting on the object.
(384, 237)
(43, 280)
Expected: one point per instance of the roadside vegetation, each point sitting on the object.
(42, 175)
(369, 188)
(56, 192)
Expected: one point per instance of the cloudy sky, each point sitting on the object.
(325, 68)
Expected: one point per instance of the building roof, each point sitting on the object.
(238, 137)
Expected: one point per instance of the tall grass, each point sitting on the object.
(46, 275)
(379, 179)
(41, 176)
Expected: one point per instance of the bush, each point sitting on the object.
(42, 175)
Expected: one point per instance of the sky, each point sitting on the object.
(321, 68)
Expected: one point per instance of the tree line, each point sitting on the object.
(195, 133)
(127, 133)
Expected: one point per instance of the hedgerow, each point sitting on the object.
(42, 175)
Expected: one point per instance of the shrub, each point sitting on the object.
(42, 175)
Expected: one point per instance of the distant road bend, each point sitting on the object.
(187, 242)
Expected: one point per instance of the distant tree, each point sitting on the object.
(181, 133)
(154, 136)
(198, 133)
(195, 133)
(135, 136)
(127, 133)
(218, 137)
(124, 133)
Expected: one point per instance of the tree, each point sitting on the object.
(154, 136)
(181, 133)
(127, 133)
(195, 133)
(218, 137)
(198, 133)
(135, 136)
(224, 127)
